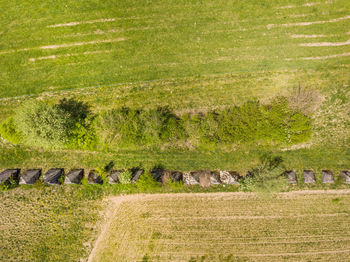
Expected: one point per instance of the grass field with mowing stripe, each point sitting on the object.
(60, 45)
(193, 56)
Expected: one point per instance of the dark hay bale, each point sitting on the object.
(291, 177)
(136, 174)
(52, 176)
(9, 174)
(345, 175)
(327, 176)
(30, 176)
(230, 177)
(74, 176)
(94, 178)
(309, 177)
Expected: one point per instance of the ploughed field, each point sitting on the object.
(226, 227)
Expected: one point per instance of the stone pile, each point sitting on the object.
(204, 178)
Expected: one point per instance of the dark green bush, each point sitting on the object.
(129, 127)
(9, 132)
(66, 124)
(252, 122)
(240, 124)
(42, 124)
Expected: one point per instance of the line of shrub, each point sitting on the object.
(72, 124)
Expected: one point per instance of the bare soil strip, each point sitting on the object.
(67, 55)
(83, 43)
(325, 57)
(65, 45)
(309, 36)
(83, 22)
(326, 44)
(309, 23)
(14, 51)
(295, 6)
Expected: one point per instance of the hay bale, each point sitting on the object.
(157, 174)
(309, 177)
(164, 175)
(30, 176)
(189, 178)
(215, 178)
(201, 177)
(230, 177)
(113, 177)
(204, 178)
(176, 176)
(327, 176)
(74, 176)
(94, 178)
(291, 177)
(345, 175)
(136, 174)
(9, 174)
(53, 176)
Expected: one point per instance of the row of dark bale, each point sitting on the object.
(204, 178)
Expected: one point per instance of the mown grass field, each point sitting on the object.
(193, 56)
(228, 227)
(140, 41)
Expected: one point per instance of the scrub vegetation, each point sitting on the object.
(71, 124)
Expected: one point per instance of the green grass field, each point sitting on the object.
(193, 56)
(143, 41)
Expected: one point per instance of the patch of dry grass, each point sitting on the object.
(46, 224)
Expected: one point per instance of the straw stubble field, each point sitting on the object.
(227, 227)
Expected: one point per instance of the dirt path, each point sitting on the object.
(114, 202)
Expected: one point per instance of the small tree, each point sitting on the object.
(267, 177)
(42, 124)
(68, 123)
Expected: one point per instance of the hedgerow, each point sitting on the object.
(127, 127)
(71, 123)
